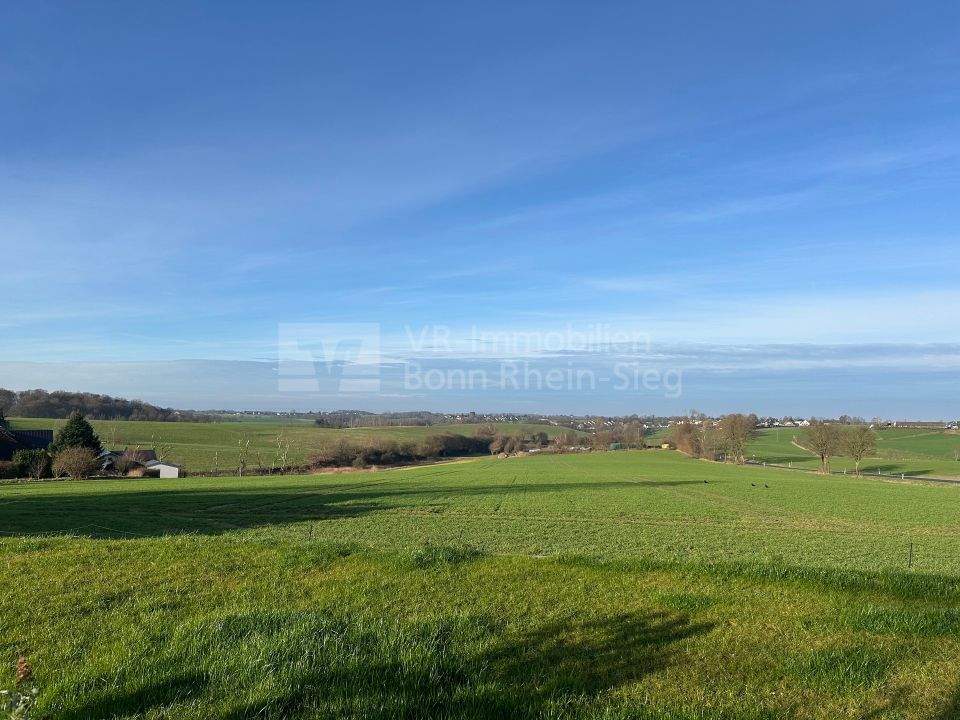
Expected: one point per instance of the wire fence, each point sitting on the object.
(878, 473)
(927, 557)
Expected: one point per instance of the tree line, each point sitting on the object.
(366, 452)
(61, 404)
(728, 438)
(828, 440)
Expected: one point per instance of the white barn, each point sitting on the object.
(165, 469)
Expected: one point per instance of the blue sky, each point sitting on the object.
(768, 193)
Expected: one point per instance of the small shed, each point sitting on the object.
(163, 469)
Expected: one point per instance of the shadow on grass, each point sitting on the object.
(892, 470)
(951, 710)
(136, 700)
(152, 514)
(801, 460)
(555, 666)
(139, 510)
(275, 664)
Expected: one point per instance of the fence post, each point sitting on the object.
(910, 558)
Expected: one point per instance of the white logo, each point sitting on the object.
(329, 357)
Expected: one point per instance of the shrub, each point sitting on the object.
(485, 432)
(430, 447)
(507, 444)
(376, 451)
(6, 470)
(31, 463)
(77, 462)
(339, 453)
(124, 465)
(129, 461)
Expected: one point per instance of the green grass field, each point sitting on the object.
(609, 585)
(899, 451)
(202, 447)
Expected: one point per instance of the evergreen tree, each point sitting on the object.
(77, 432)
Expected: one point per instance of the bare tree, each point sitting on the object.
(283, 450)
(77, 462)
(161, 448)
(696, 438)
(824, 440)
(858, 442)
(709, 438)
(129, 461)
(683, 436)
(35, 463)
(113, 434)
(736, 431)
(243, 448)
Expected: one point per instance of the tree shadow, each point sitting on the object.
(152, 514)
(142, 511)
(124, 703)
(891, 469)
(784, 459)
(557, 665)
(951, 711)
(889, 707)
(593, 656)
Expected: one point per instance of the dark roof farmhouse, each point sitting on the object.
(147, 459)
(13, 440)
(142, 457)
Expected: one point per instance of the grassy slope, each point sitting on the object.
(605, 505)
(423, 592)
(203, 446)
(908, 451)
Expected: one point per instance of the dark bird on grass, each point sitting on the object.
(766, 486)
(753, 484)
(705, 482)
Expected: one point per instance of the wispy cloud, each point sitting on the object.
(717, 378)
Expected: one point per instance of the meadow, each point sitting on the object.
(907, 451)
(607, 585)
(205, 447)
